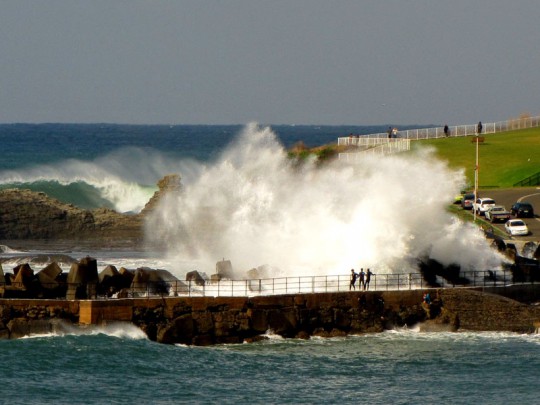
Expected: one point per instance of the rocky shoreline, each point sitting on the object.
(34, 216)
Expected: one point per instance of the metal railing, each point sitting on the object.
(262, 287)
(533, 180)
(438, 132)
(326, 284)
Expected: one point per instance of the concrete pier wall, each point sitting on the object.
(215, 320)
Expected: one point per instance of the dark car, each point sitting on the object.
(467, 201)
(522, 209)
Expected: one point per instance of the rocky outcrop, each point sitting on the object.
(29, 215)
(25, 214)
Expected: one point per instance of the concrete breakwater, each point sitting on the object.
(218, 320)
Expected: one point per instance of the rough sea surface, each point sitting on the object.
(117, 365)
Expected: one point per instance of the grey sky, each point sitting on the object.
(295, 61)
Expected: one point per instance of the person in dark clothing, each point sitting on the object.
(446, 130)
(353, 280)
(389, 132)
(368, 279)
(362, 275)
(479, 127)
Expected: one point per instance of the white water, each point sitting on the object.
(253, 207)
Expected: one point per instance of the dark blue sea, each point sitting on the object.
(117, 166)
(117, 365)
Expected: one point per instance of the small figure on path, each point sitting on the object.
(353, 280)
(362, 275)
(368, 279)
(446, 131)
(479, 127)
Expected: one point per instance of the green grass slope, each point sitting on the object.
(504, 158)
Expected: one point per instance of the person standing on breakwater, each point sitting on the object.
(362, 275)
(353, 280)
(368, 279)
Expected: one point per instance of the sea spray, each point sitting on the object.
(255, 206)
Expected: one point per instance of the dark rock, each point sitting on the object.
(83, 279)
(224, 269)
(179, 330)
(195, 277)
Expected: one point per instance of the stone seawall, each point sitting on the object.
(216, 320)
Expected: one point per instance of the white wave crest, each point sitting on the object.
(121, 330)
(126, 178)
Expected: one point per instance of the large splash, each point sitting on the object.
(255, 207)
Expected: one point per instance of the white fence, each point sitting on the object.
(381, 147)
(438, 132)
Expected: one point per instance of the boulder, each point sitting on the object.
(196, 277)
(151, 281)
(23, 276)
(224, 269)
(111, 281)
(82, 279)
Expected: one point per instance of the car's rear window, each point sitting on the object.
(488, 202)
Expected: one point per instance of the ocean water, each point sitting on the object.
(117, 365)
(118, 166)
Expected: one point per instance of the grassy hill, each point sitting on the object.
(504, 158)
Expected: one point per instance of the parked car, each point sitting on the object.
(467, 201)
(522, 209)
(516, 227)
(481, 205)
(458, 198)
(497, 213)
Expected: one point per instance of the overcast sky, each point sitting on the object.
(275, 62)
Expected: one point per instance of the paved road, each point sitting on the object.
(508, 197)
